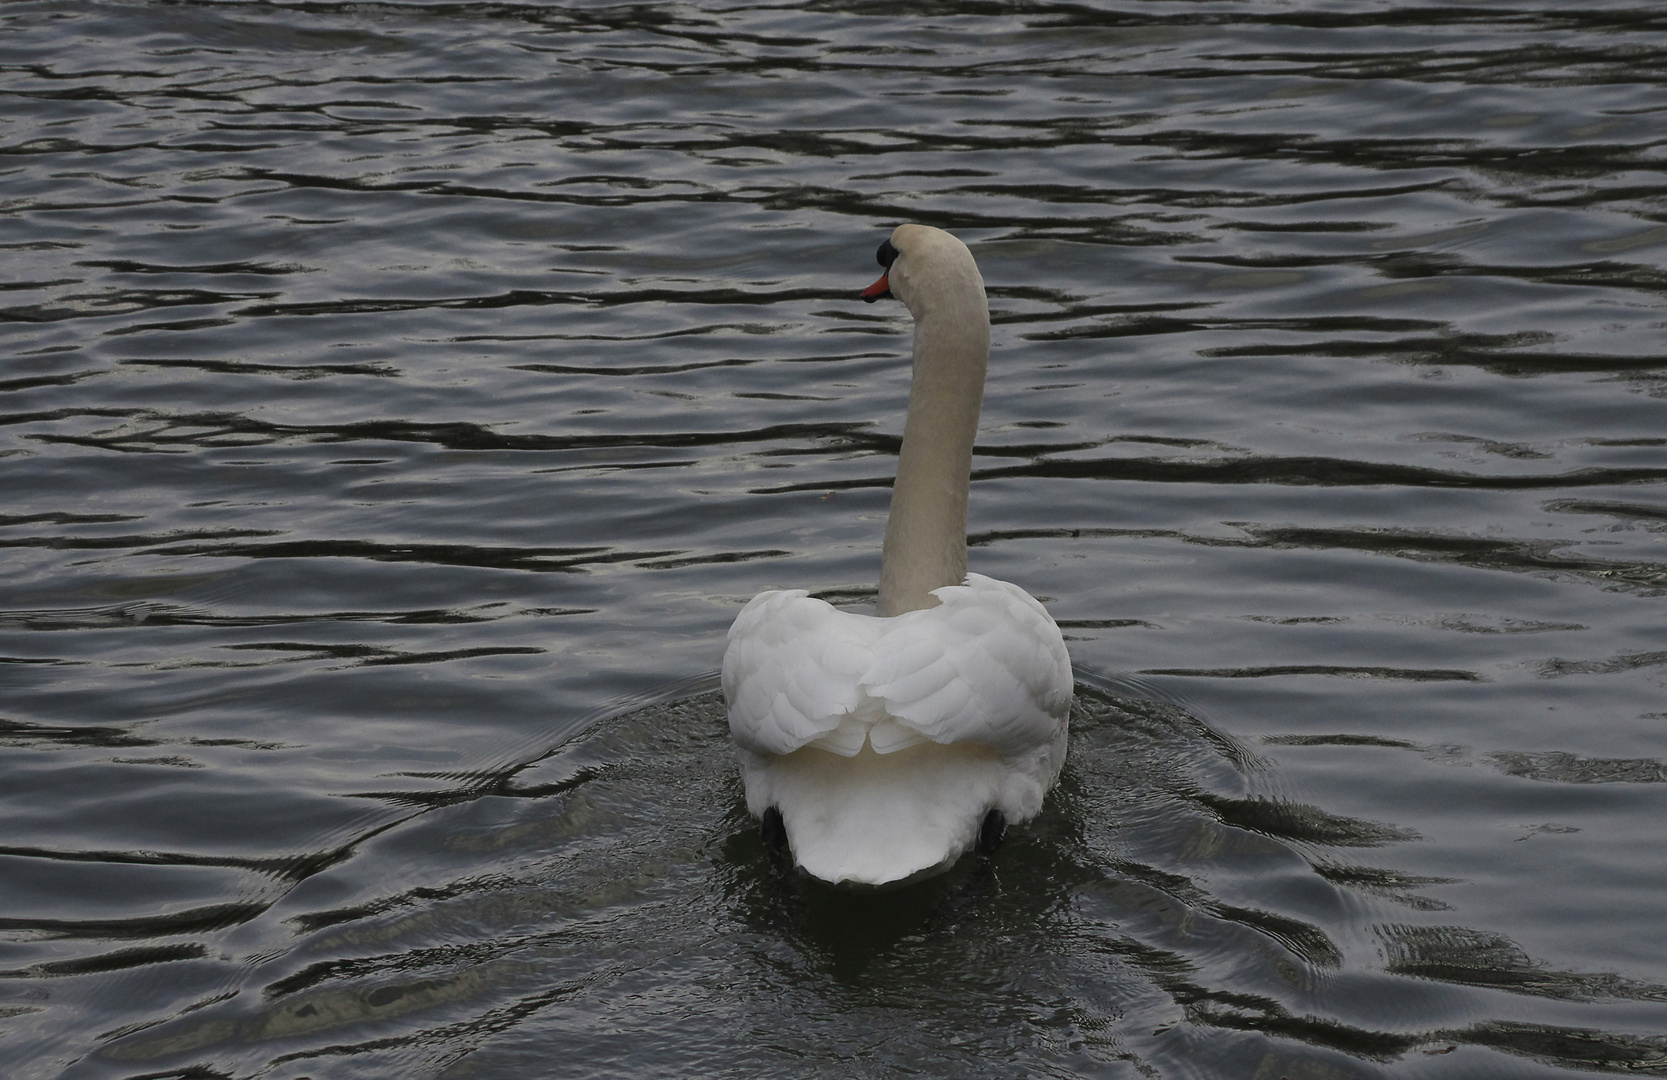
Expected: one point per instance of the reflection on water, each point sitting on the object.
(396, 397)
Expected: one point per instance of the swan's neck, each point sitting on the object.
(926, 534)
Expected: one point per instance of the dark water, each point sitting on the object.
(399, 400)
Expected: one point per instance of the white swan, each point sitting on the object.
(891, 745)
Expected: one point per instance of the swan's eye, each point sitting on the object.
(886, 255)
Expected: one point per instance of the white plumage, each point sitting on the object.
(885, 741)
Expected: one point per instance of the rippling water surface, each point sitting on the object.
(397, 401)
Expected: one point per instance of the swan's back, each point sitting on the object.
(885, 742)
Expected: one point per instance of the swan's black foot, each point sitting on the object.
(991, 832)
(774, 831)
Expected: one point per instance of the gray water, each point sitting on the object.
(397, 401)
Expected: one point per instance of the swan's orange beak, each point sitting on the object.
(879, 290)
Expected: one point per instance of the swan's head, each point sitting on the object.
(926, 268)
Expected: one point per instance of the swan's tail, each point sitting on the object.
(876, 819)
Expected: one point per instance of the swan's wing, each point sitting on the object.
(791, 670)
(988, 665)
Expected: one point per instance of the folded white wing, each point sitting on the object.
(792, 669)
(987, 665)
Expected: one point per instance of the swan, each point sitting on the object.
(881, 748)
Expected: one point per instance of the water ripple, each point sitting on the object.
(400, 397)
